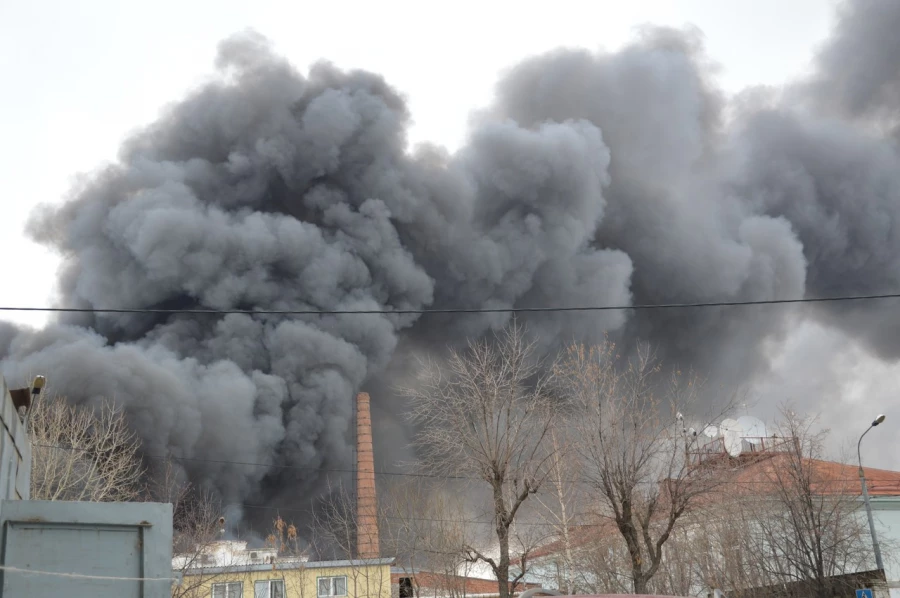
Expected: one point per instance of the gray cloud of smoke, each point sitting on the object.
(594, 179)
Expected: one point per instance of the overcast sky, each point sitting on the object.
(80, 75)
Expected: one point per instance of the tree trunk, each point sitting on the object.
(639, 581)
(502, 568)
(629, 533)
(503, 561)
(564, 576)
(567, 565)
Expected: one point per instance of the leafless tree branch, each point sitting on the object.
(83, 453)
(487, 414)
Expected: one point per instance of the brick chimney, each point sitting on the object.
(366, 503)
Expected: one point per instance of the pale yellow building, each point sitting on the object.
(231, 569)
(363, 578)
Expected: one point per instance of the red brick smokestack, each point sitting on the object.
(366, 504)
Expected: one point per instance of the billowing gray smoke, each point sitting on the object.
(595, 179)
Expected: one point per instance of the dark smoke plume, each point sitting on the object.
(595, 179)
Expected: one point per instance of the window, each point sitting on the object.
(228, 590)
(406, 588)
(332, 586)
(270, 588)
(254, 555)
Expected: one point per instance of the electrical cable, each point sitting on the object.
(425, 311)
(81, 575)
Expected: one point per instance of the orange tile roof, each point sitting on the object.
(752, 473)
(760, 475)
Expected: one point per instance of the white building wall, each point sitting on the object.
(886, 512)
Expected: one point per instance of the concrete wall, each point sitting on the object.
(15, 451)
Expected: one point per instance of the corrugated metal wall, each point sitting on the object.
(85, 550)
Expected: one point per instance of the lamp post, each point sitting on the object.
(862, 478)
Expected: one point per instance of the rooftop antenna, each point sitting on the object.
(753, 428)
(727, 424)
(734, 444)
(706, 435)
(732, 436)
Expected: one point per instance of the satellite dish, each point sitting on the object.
(754, 430)
(727, 424)
(711, 431)
(733, 442)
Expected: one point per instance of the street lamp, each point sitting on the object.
(862, 478)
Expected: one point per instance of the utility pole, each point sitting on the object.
(862, 478)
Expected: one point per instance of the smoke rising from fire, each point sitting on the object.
(594, 179)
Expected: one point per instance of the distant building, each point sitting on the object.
(408, 583)
(231, 570)
(750, 475)
(227, 553)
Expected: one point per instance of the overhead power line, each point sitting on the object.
(462, 310)
(82, 575)
(740, 483)
(406, 474)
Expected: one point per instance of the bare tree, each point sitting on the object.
(601, 565)
(678, 570)
(83, 453)
(561, 507)
(426, 527)
(284, 538)
(805, 513)
(786, 517)
(332, 524)
(485, 414)
(721, 548)
(197, 525)
(634, 446)
(334, 528)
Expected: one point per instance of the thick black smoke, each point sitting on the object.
(594, 179)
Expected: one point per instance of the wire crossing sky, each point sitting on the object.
(625, 182)
(482, 310)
